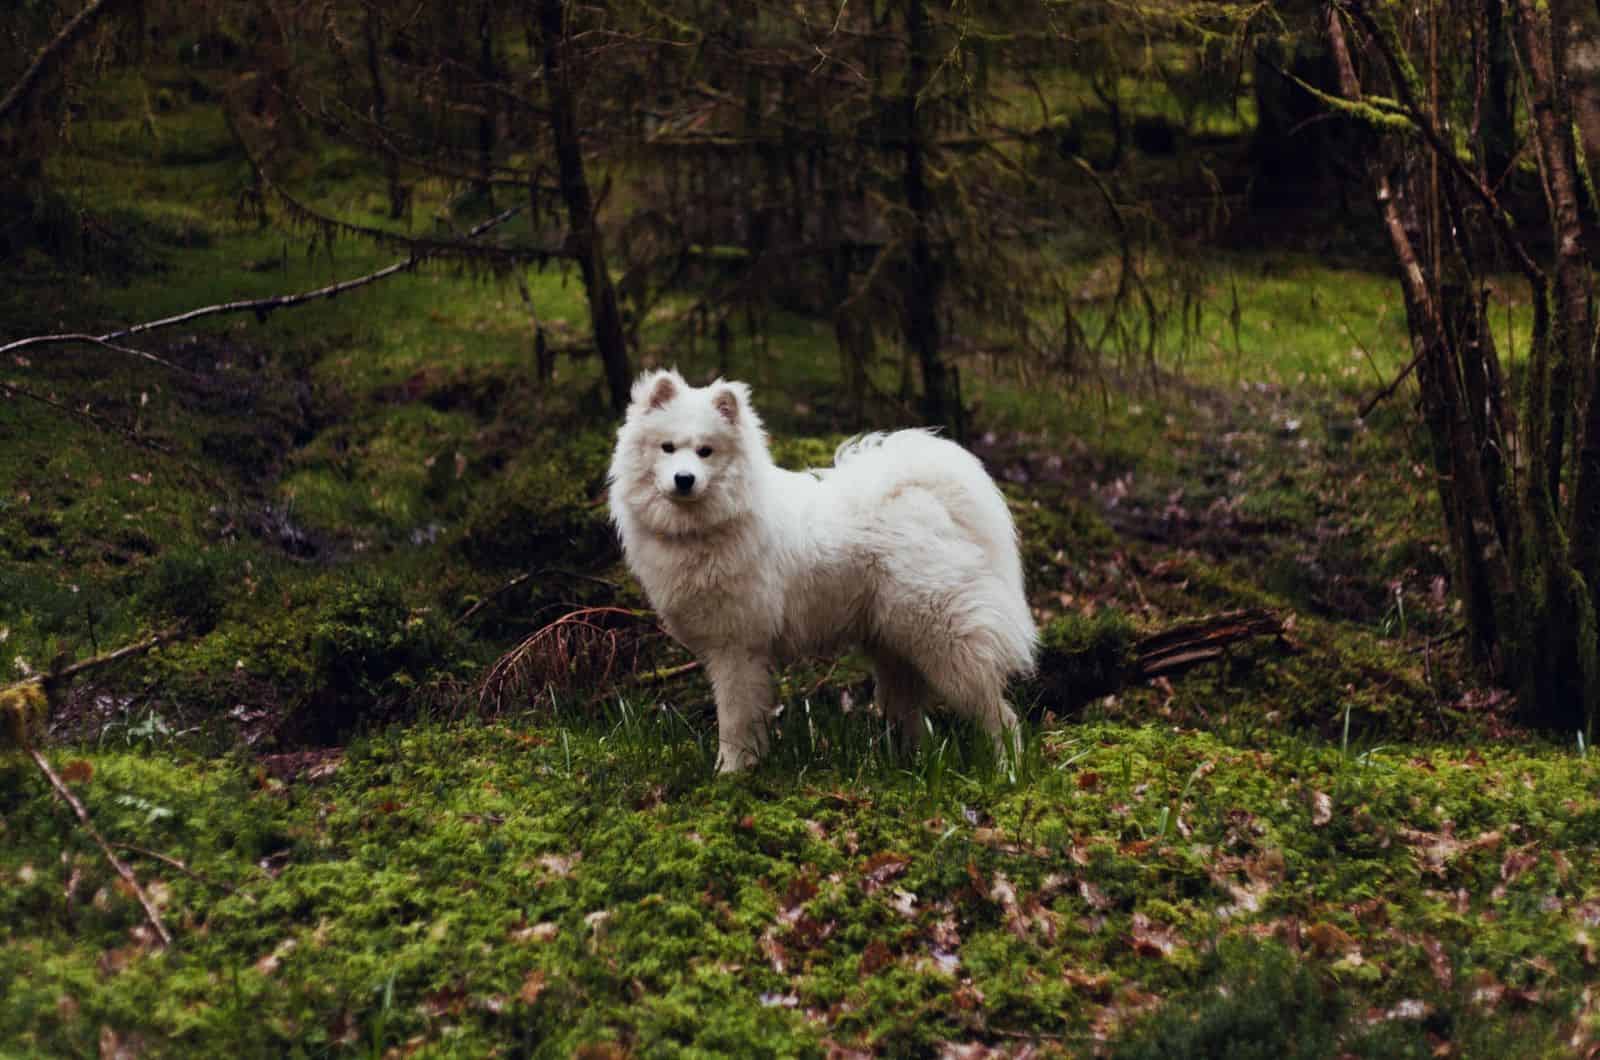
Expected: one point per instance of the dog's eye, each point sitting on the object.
(703, 452)
(668, 447)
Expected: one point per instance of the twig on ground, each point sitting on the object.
(181, 866)
(121, 867)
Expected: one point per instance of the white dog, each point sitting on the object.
(904, 547)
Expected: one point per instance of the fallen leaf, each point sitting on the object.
(1517, 862)
(880, 868)
(446, 1001)
(1438, 960)
(532, 987)
(78, 771)
(270, 963)
(1321, 809)
(544, 931)
(1327, 939)
(875, 958)
(774, 951)
(1094, 896)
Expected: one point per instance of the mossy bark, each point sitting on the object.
(1525, 569)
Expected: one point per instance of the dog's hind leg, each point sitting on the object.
(964, 673)
(742, 684)
(901, 693)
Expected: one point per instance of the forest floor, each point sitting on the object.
(1328, 842)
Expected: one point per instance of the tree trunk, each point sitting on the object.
(941, 398)
(583, 237)
(380, 111)
(1568, 679)
(486, 119)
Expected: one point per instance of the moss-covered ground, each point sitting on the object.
(1334, 842)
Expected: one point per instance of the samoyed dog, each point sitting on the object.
(903, 547)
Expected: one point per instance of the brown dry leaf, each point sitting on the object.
(776, 955)
(1435, 850)
(1438, 960)
(270, 963)
(532, 987)
(1518, 861)
(1328, 939)
(78, 771)
(880, 868)
(944, 933)
(446, 1001)
(905, 903)
(802, 888)
(1321, 809)
(1088, 780)
(967, 997)
(1094, 896)
(875, 958)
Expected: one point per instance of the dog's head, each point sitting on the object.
(684, 454)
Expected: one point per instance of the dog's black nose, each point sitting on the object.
(684, 480)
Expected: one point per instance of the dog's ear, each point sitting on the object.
(655, 390)
(664, 391)
(726, 402)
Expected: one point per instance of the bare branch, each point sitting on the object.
(261, 307)
(54, 52)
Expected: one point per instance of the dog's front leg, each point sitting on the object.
(742, 683)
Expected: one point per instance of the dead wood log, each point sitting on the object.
(1187, 645)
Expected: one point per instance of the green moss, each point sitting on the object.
(544, 506)
(1082, 658)
(415, 893)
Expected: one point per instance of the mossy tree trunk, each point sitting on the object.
(1519, 480)
(584, 238)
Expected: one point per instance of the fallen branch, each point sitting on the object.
(261, 307)
(182, 866)
(150, 911)
(1182, 647)
(1111, 658)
